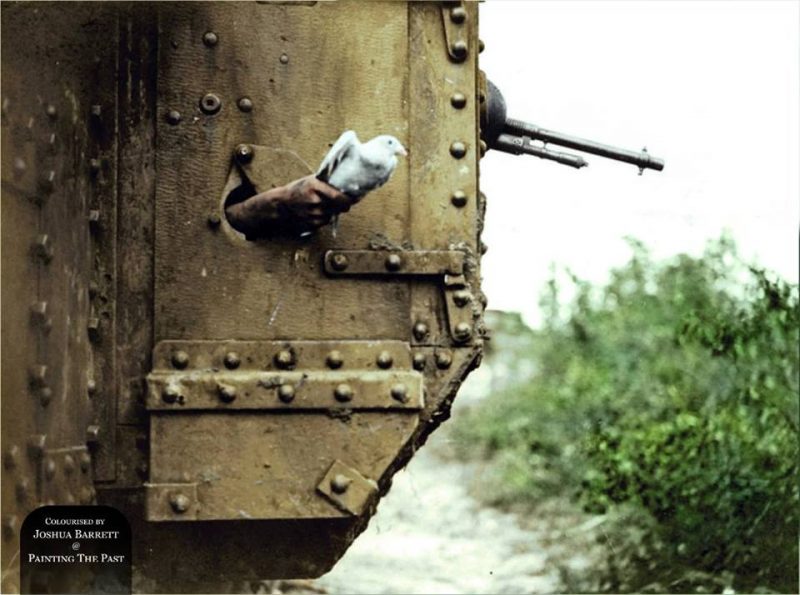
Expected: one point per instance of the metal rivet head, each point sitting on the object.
(284, 59)
(393, 262)
(173, 117)
(484, 248)
(462, 297)
(420, 331)
(69, 464)
(462, 331)
(87, 495)
(418, 361)
(214, 220)
(45, 396)
(86, 462)
(94, 220)
(210, 104)
(458, 149)
(51, 111)
(91, 387)
(334, 359)
(50, 468)
(171, 393)
(94, 166)
(343, 393)
(286, 393)
(482, 148)
(227, 393)
(23, 491)
(285, 359)
(400, 393)
(180, 359)
(42, 248)
(481, 46)
(93, 329)
(339, 262)
(92, 434)
(19, 167)
(179, 502)
(459, 50)
(384, 360)
(9, 526)
(245, 104)
(244, 153)
(458, 14)
(36, 446)
(10, 457)
(458, 100)
(340, 483)
(459, 198)
(444, 359)
(210, 39)
(97, 112)
(232, 360)
(37, 376)
(39, 312)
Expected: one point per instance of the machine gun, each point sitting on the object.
(517, 137)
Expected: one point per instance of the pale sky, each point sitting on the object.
(710, 87)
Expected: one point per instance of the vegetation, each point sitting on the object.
(672, 392)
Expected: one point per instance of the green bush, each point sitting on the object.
(673, 388)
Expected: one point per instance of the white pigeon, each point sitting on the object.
(356, 168)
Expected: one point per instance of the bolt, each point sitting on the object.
(69, 464)
(91, 387)
(420, 331)
(232, 360)
(179, 503)
(36, 446)
(23, 491)
(51, 111)
(10, 457)
(45, 396)
(393, 262)
(180, 359)
(9, 526)
(458, 149)
(462, 297)
(210, 104)
(227, 393)
(94, 220)
(245, 104)
(343, 393)
(42, 248)
(458, 14)
(210, 39)
(458, 100)
(400, 393)
(384, 360)
(334, 359)
(462, 332)
(340, 483)
(93, 328)
(339, 262)
(50, 469)
(97, 112)
(285, 359)
(214, 220)
(444, 360)
(244, 153)
(171, 393)
(459, 198)
(418, 361)
(458, 50)
(286, 393)
(173, 117)
(92, 434)
(86, 462)
(284, 59)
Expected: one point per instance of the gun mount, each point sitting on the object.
(517, 137)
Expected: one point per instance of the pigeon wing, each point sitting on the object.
(340, 149)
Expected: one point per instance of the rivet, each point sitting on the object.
(459, 50)
(214, 220)
(50, 469)
(284, 359)
(462, 297)
(210, 104)
(173, 117)
(170, 393)
(47, 182)
(418, 361)
(94, 220)
(393, 262)
(10, 457)
(94, 166)
(244, 153)
(343, 393)
(484, 248)
(232, 360)
(400, 393)
(180, 359)
(42, 248)
(245, 104)
(69, 464)
(23, 491)
(97, 112)
(286, 393)
(9, 526)
(482, 148)
(94, 289)
(92, 434)
(458, 100)
(179, 503)
(459, 198)
(334, 359)
(227, 393)
(210, 39)
(444, 360)
(462, 331)
(37, 376)
(93, 328)
(91, 387)
(385, 360)
(39, 312)
(458, 149)
(420, 331)
(36, 446)
(51, 111)
(19, 166)
(340, 483)
(86, 462)
(87, 495)
(481, 46)
(339, 262)
(45, 396)
(69, 498)
(284, 59)
(458, 14)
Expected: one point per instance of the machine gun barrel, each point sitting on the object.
(641, 159)
(519, 145)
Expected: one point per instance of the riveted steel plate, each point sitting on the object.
(66, 476)
(347, 488)
(394, 262)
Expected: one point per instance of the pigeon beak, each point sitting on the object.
(402, 150)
